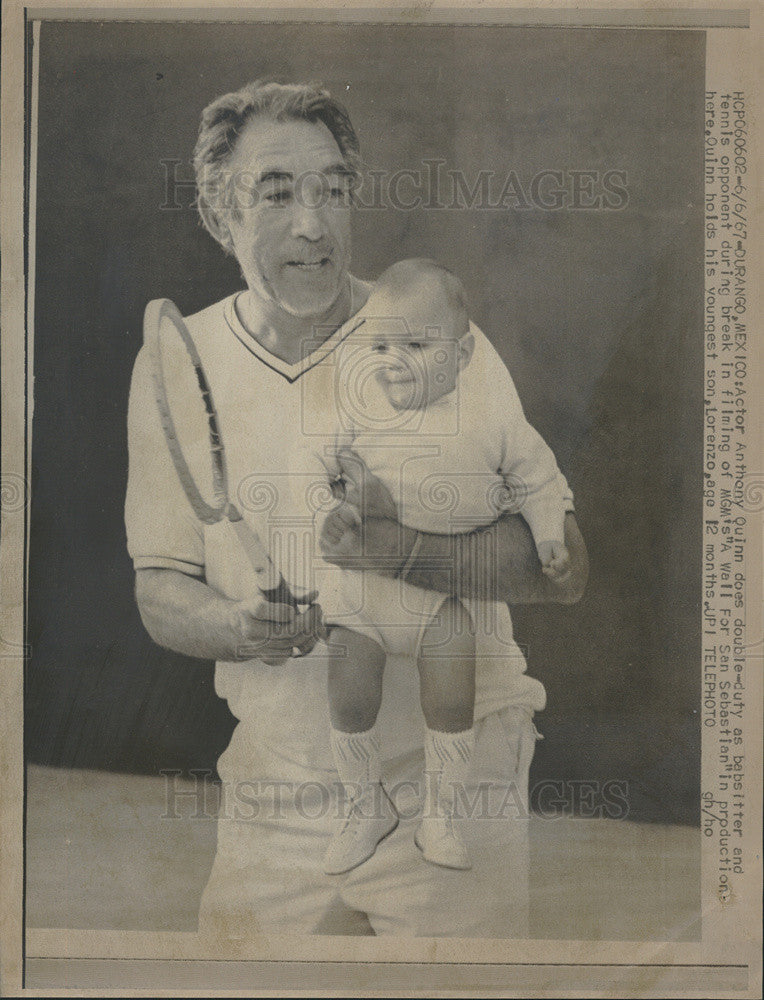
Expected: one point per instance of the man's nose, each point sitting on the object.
(308, 216)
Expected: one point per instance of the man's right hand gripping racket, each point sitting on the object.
(191, 429)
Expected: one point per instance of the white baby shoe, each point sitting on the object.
(440, 843)
(368, 820)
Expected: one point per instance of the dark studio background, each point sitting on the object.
(597, 314)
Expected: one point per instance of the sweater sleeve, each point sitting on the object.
(535, 487)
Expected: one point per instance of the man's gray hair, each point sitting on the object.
(222, 123)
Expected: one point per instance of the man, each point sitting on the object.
(275, 170)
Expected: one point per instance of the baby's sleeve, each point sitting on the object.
(535, 486)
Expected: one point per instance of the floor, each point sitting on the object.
(104, 851)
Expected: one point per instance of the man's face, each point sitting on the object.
(292, 237)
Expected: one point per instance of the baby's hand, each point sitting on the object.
(555, 560)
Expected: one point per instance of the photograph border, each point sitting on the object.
(727, 961)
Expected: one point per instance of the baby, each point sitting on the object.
(441, 425)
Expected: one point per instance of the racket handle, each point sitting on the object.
(270, 582)
(268, 578)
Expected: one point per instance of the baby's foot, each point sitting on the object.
(368, 820)
(440, 843)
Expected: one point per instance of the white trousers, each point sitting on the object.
(274, 825)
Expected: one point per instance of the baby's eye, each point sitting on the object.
(278, 197)
(380, 348)
(415, 345)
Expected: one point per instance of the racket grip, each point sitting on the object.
(283, 595)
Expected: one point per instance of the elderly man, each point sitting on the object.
(275, 167)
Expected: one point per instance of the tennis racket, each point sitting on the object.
(190, 424)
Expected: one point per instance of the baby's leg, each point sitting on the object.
(447, 669)
(447, 686)
(356, 666)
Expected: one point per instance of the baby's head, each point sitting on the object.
(417, 322)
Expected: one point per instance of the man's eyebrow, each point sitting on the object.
(335, 169)
(274, 175)
(338, 168)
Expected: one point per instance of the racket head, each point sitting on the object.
(192, 432)
(187, 410)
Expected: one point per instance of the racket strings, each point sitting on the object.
(191, 423)
(217, 451)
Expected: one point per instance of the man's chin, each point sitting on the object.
(312, 301)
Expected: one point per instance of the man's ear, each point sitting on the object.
(222, 234)
(466, 347)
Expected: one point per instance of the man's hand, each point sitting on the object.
(183, 613)
(271, 632)
(555, 561)
(363, 490)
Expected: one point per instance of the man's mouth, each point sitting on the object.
(309, 265)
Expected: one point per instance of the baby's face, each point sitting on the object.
(420, 349)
